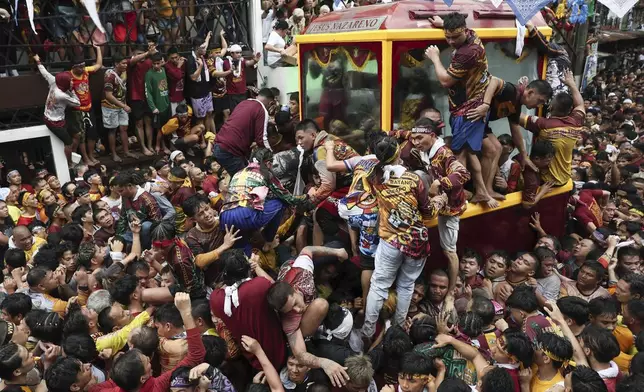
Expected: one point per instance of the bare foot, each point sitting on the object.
(167, 151)
(132, 155)
(147, 152)
(95, 161)
(480, 198)
(492, 204)
(116, 158)
(496, 196)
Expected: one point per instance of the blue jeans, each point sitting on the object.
(391, 265)
(146, 242)
(228, 161)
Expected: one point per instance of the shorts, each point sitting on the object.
(114, 118)
(60, 132)
(126, 31)
(448, 232)
(220, 104)
(201, 106)
(167, 23)
(367, 263)
(236, 99)
(467, 133)
(140, 109)
(67, 21)
(82, 123)
(173, 107)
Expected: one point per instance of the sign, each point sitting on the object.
(590, 69)
(343, 26)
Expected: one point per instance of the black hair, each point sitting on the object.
(632, 383)
(15, 258)
(603, 306)
(65, 191)
(425, 122)
(557, 345)
(80, 190)
(45, 326)
(542, 87)
(469, 253)
(128, 370)
(236, 266)
(422, 330)
(168, 313)
(307, 125)
(9, 360)
(62, 374)
(484, 308)
(197, 42)
(562, 104)
(453, 385)
(105, 322)
(146, 340)
(201, 309)
(158, 165)
(636, 309)
(216, 350)
(470, 324)
(80, 346)
(601, 342)
(281, 25)
(75, 322)
(636, 284)
(36, 275)
(16, 304)
(585, 379)
(46, 257)
(266, 93)
(453, 21)
(318, 387)
(183, 372)
(294, 96)
(278, 294)
(334, 317)
(542, 149)
(574, 308)
(523, 298)
(518, 344)
(385, 150)
(123, 288)
(163, 230)
(497, 380)
(395, 344)
(73, 234)
(88, 174)
(599, 269)
(637, 363)
(172, 50)
(138, 265)
(413, 363)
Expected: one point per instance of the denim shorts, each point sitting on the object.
(168, 24)
(67, 21)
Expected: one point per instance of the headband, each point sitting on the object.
(636, 211)
(12, 172)
(627, 202)
(40, 193)
(163, 243)
(173, 178)
(24, 198)
(552, 356)
(181, 382)
(457, 30)
(394, 157)
(409, 376)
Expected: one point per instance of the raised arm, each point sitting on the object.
(272, 377)
(577, 99)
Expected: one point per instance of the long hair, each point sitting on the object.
(386, 150)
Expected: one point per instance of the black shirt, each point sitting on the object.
(506, 103)
(196, 89)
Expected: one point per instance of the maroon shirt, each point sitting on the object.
(246, 124)
(253, 317)
(236, 85)
(136, 79)
(176, 77)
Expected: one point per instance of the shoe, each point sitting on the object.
(3, 74)
(13, 72)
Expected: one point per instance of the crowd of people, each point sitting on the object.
(284, 260)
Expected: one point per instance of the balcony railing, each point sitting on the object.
(65, 30)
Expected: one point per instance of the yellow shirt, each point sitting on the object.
(538, 385)
(117, 340)
(14, 213)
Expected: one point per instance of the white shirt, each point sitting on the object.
(267, 25)
(276, 41)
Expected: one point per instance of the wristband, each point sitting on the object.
(485, 103)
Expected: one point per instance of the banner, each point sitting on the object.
(526, 9)
(590, 68)
(619, 7)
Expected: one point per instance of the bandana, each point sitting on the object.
(232, 297)
(180, 382)
(12, 172)
(163, 243)
(6, 329)
(40, 195)
(343, 330)
(423, 130)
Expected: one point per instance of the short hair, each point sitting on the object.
(16, 304)
(425, 122)
(47, 257)
(517, 343)
(172, 50)
(484, 308)
(128, 370)
(278, 294)
(15, 258)
(636, 309)
(523, 298)
(603, 306)
(542, 149)
(236, 266)
(395, 343)
(637, 363)
(45, 326)
(281, 25)
(601, 342)
(9, 360)
(86, 252)
(168, 313)
(201, 309)
(453, 385)
(36, 275)
(585, 379)
(62, 374)
(307, 125)
(192, 204)
(75, 321)
(294, 96)
(197, 42)
(79, 213)
(163, 230)
(453, 21)
(216, 350)
(267, 93)
(413, 363)
(542, 87)
(80, 190)
(599, 269)
(574, 308)
(80, 346)
(138, 265)
(123, 288)
(469, 253)
(145, 339)
(359, 369)
(99, 300)
(497, 379)
(634, 382)
(470, 324)
(636, 284)
(557, 345)
(422, 330)
(562, 103)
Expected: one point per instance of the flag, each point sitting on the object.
(619, 7)
(526, 9)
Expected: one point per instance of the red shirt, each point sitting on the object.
(587, 209)
(253, 317)
(176, 77)
(246, 124)
(80, 84)
(236, 85)
(136, 79)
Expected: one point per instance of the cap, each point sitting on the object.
(235, 49)
(612, 95)
(174, 154)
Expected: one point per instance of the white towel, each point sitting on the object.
(232, 297)
(520, 37)
(194, 55)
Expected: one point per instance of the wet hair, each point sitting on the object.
(263, 155)
(80, 346)
(574, 308)
(192, 204)
(236, 266)
(542, 87)
(497, 380)
(603, 306)
(75, 322)
(46, 257)
(62, 374)
(470, 324)
(585, 379)
(517, 343)
(168, 313)
(453, 21)
(636, 282)
(542, 149)
(278, 294)
(557, 345)
(145, 339)
(45, 326)
(10, 361)
(128, 370)
(562, 104)
(601, 342)
(163, 230)
(395, 344)
(16, 304)
(413, 363)
(216, 350)
(484, 308)
(73, 234)
(523, 298)
(123, 288)
(423, 330)
(15, 258)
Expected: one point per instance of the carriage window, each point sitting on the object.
(342, 91)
